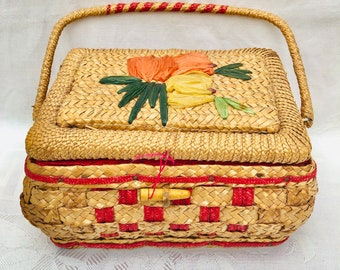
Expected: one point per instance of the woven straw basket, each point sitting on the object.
(236, 173)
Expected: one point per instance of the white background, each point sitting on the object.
(24, 30)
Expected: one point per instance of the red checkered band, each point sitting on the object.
(209, 214)
(243, 196)
(179, 227)
(153, 214)
(237, 228)
(128, 196)
(128, 227)
(104, 215)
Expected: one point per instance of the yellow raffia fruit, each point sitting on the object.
(193, 83)
(178, 100)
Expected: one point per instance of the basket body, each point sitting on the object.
(100, 205)
(103, 173)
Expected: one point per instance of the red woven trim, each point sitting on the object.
(237, 228)
(126, 196)
(104, 215)
(128, 227)
(153, 162)
(166, 244)
(179, 227)
(153, 213)
(209, 214)
(243, 196)
(152, 179)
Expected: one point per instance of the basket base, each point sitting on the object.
(76, 244)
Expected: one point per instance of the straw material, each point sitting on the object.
(80, 118)
(93, 180)
(264, 210)
(306, 104)
(92, 105)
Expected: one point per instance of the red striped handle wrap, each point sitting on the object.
(165, 6)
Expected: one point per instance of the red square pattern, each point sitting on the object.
(237, 228)
(104, 215)
(243, 196)
(127, 196)
(179, 227)
(153, 213)
(128, 227)
(209, 214)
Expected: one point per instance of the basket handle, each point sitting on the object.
(306, 103)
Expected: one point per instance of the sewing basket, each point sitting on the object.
(170, 147)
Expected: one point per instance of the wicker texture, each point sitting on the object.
(286, 140)
(92, 179)
(91, 105)
(306, 104)
(266, 209)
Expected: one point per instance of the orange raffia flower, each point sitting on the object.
(159, 69)
(151, 68)
(193, 61)
(182, 81)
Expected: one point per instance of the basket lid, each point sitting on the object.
(90, 104)
(261, 122)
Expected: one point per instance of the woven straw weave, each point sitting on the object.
(68, 212)
(92, 105)
(80, 118)
(92, 179)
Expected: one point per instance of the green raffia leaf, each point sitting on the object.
(163, 103)
(130, 87)
(232, 66)
(238, 106)
(119, 80)
(222, 107)
(154, 94)
(130, 95)
(234, 71)
(140, 102)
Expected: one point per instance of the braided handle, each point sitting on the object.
(306, 103)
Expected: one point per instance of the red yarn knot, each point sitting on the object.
(163, 160)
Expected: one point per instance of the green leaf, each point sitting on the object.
(154, 94)
(234, 71)
(140, 102)
(233, 66)
(238, 106)
(136, 91)
(163, 103)
(130, 87)
(222, 107)
(119, 80)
